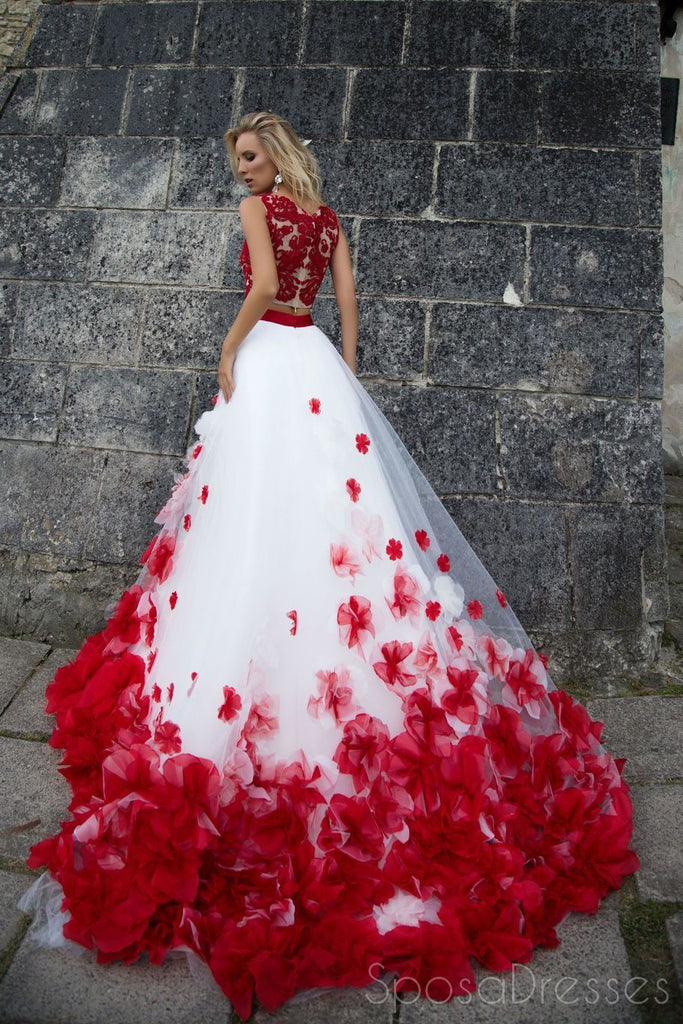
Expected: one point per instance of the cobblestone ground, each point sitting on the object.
(15, 17)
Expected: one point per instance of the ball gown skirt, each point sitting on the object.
(313, 746)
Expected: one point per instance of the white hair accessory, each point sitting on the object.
(306, 142)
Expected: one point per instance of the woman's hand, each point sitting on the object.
(225, 377)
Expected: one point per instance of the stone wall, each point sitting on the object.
(497, 168)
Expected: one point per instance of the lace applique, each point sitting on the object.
(302, 243)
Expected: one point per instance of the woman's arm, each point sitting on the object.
(345, 293)
(265, 286)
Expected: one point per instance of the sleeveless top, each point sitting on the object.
(302, 243)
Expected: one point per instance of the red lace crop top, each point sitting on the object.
(302, 243)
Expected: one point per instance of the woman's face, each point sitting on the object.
(254, 167)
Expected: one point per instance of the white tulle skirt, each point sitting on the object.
(313, 736)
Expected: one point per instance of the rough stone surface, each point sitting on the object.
(647, 732)
(658, 838)
(33, 806)
(26, 712)
(505, 231)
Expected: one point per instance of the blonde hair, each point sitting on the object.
(295, 162)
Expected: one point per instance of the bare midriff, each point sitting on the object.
(284, 308)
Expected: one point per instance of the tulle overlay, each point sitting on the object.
(313, 744)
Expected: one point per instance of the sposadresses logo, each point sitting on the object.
(519, 985)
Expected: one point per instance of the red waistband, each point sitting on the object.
(278, 316)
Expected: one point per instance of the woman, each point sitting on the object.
(313, 745)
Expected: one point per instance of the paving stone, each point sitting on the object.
(186, 326)
(35, 796)
(160, 248)
(658, 840)
(31, 397)
(651, 356)
(45, 243)
(627, 114)
(439, 260)
(560, 35)
(202, 176)
(26, 713)
(132, 173)
(647, 732)
(407, 103)
(62, 35)
(8, 303)
(459, 35)
(506, 106)
(13, 884)
(650, 188)
(674, 930)
(18, 658)
(53, 986)
(311, 98)
(357, 33)
(585, 980)
(30, 170)
(140, 33)
(77, 323)
(603, 267)
(351, 175)
(18, 109)
(254, 33)
(488, 181)
(124, 407)
(522, 349)
(180, 101)
(342, 1006)
(81, 102)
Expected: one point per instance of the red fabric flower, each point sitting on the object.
(335, 695)
(167, 736)
(193, 677)
(432, 610)
(501, 597)
(359, 752)
(171, 688)
(123, 628)
(422, 539)
(344, 560)
(232, 702)
(444, 563)
(405, 599)
(204, 494)
(173, 599)
(391, 669)
(159, 555)
(394, 549)
(151, 658)
(214, 398)
(353, 487)
(156, 692)
(187, 521)
(362, 443)
(196, 450)
(474, 609)
(355, 622)
(293, 616)
(314, 403)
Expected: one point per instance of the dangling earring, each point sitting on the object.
(278, 181)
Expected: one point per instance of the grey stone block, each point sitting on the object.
(45, 243)
(355, 32)
(460, 34)
(587, 979)
(50, 494)
(433, 259)
(52, 986)
(77, 323)
(506, 106)
(26, 713)
(141, 33)
(160, 248)
(311, 98)
(62, 36)
(180, 101)
(523, 547)
(125, 407)
(35, 795)
(651, 356)
(18, 108)
(133, 173)
(18, 660)
(654, 563)
(202, 176)
(646, 731)
(490, 182)
(407, 103)
(56, 598)
(121, 531)
(648, 45)
(8, 303)
(30, 169)
(581, 448)
(186, 327)
(596, 267)
(12, 886)
(31, 397)
(342, 1006)
(449, 433)
(657, 838)
(581, 351)
(87, 101)
(239, 34)
(602, 661)
(358, 176)
(650, 189)
(390, 336)
(674, 929)
(628, 113)
(566, 35)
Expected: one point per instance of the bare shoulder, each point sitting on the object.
(249, 203)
